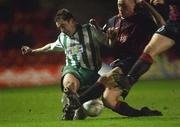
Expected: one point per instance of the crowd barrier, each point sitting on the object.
(30, 76)
(50, 74)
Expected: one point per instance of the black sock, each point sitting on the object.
(123, 108)
(93, 92)
(140, 67)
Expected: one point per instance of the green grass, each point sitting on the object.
(40, 107)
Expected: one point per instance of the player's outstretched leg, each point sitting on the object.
(68, 113)
(72, 104)
(125, 109)
(139, 68)
(73, 99)
(80, 114)
(148, 112)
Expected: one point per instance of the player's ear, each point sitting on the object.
(58, 25)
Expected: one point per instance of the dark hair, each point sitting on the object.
(63, 14)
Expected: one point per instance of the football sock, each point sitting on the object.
(139, 68)
(123, 108)
(93, 92)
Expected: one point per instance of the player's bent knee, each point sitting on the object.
(109, 103)
(111, 97)
(71, 82)
(148, 49)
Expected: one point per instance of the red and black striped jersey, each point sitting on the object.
(133, 35)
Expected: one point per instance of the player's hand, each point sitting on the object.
(112, 33)
(26, 50)
(108, 82)
(156, 2)
(94, 23)
(109, 79)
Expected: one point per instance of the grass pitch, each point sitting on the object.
(41, 107)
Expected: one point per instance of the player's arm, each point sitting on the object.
(55, 46)
(159, 20)
(111, 33)
(103, 38)
(110, 30)
(99, 36)
(28, 50)
(93, 22)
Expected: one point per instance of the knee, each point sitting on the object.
(151, 50)
(70, 85)
(109, 102)
(148, 49)
(71, 82)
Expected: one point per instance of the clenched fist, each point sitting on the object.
(26, 50)
(156, 2)
(112, 33)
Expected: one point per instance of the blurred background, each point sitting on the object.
(31, 23)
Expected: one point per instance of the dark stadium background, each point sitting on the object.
(31, 22)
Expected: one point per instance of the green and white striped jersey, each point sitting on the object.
(83, 48)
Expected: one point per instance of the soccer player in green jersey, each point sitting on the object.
(81, 44)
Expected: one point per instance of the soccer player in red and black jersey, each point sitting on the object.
(133, 29)
(131, 32)
(163, 39)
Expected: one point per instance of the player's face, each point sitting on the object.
(68, 27)
(126, 8)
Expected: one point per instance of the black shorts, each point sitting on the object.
(171, 30)
(125, 64)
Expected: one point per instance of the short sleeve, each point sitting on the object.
(57, 46)
(98, 36)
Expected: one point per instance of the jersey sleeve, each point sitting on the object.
(109, 23)
(99, 36)
(57, 46)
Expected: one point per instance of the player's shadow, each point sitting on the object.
(126, 117)
(112, 118)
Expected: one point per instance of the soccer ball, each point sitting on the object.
(93, 107)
